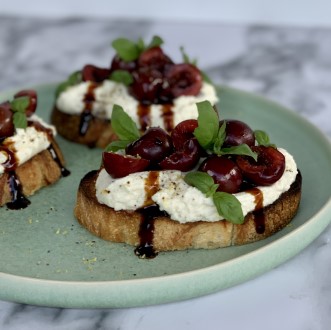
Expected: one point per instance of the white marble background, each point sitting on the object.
(290, 65)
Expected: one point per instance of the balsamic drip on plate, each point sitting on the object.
(146, 231)
(148, 212)
(19, 201)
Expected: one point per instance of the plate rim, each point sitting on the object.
(66, 299)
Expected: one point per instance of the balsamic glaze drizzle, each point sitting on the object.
(64, 171)
(259, 218)
(19, 201)
(87, 116)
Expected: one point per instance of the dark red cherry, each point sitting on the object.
(183, 160)
(224, 171)
(119, 64)
(6, 121)
(237, 132)
(154, 145)
(93, 73)
(183, 132)
(146, 86)
(184, 79)
(269, 167)
(119, 166)
(154, 58)
(33, 98)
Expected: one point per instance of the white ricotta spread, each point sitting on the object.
(26, 143)
(182, 202)
(109, 93)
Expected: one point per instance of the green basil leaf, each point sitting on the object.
(73, 79)
(221, 135)
(156, 42)
(262, 139)
(20, 104)
(202, 181)
(206, 78)
(117, 145)
(126, 49)
(208, 125)
(229, 207)
(186, 58)
(19, 120)
(242, 150)
(122, 124)
(122, 76)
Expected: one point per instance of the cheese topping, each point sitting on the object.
(26, 143)
(108, 93)
(182, 202)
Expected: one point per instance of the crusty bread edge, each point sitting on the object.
(39, 171)
(123, 226)
(99, 133)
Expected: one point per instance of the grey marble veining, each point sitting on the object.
(286, 64)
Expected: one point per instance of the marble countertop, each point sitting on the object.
(287, 64)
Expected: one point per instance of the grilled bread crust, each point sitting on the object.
(124, 226)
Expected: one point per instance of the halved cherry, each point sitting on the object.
(184, 79)
(183, 132)
(147, 84)
(237, 132)
(33, 98)
(6, 121)
(118, 64)
(154, 145)
(119, 166)
(93, 73)
(185, 159)
(269, 167)
(154, 58)
(224, 172)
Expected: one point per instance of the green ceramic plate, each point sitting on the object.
(48, 259)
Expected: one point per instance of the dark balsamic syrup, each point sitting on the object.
(148, 213)
(87, 116)
(64, 171)
(146, 231)
(19, 201)
(259, 218)
(144, 117)
(168, 117)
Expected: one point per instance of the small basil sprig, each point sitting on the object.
(18, 105)
(211, 136)
(262, 139)
(124, 127)
(128, 50)
(121, 76)
(73, 79)
(227, 205)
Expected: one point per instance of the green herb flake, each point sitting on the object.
(122, 76)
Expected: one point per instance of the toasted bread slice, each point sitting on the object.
(41, 170)
(126, 226)
(98, 134)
